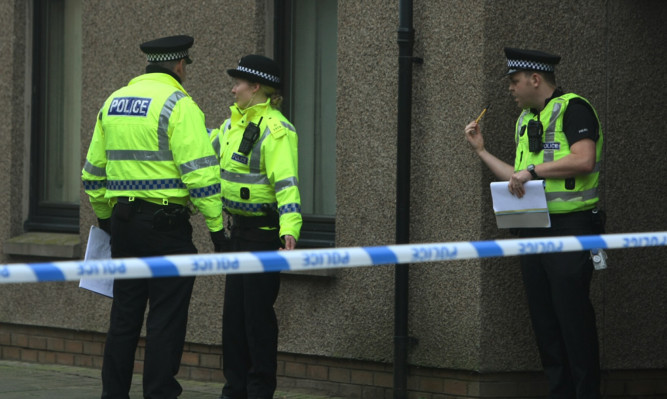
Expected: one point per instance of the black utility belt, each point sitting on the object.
(138, 203)
(163, 217)
(255, 221)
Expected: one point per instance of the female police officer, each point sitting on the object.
(259, 162)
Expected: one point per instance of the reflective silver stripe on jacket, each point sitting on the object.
(215, 143)
(165, 114)
(257, 152)
(585, 195)
(244, 178)
(139, 155)
(550, 134)
(519, 125)
(94, 170)
(286, 183)
(228, 123)
(198, 164)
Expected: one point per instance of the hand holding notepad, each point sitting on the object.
(528, 211)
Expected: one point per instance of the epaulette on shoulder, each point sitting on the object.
(277, 128)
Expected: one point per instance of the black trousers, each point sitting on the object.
(250, 328)
(557, 287)
(168, 298)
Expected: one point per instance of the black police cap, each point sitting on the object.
(257, 68)
(530, 60)
(168, 48)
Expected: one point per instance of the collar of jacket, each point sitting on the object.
(249, 114)
(159, 77)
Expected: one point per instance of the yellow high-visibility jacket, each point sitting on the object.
(265, 178)
(150, 142)
(563, 195)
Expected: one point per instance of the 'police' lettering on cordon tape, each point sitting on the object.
(645, 241)
(214, 265)
(430, 253)
(540, 247)
(325, 259)
(310, 259)
(101, 268)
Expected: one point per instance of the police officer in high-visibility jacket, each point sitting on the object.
(259, 164)
(558, 139)
(149, 160)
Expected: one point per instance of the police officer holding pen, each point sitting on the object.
(259, 163)
(559, 140)
(149, 160)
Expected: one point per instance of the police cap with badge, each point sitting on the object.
(258, 69)
(530, 60)
(170, 48)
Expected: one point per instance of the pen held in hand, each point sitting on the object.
(479, 118)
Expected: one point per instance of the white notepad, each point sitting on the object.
(528, 211)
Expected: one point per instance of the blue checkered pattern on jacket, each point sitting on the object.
(136, 185)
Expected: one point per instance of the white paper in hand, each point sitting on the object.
(527, 211)
(99, 247)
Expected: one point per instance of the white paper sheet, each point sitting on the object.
(528, 211)
(99, 247)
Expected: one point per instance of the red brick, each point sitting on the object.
(184, 372)
(339, 374)
(29, 355)
(317, 372)
(456, 387)
(418, 395)
(83, 361)
(210, 361)
(93, 348)
(372, 393)
(19, 340)
(293, 369)
(200, 374)
(5, 338)
(97, 362)
(190, 359)
(431, 384)
(138, 366)
(361, 377)
(498, 389)
(381, 379)
(55, 344)
(217, 376)
(37, 342)
(73, 346)
(11, 353)
(47, 357)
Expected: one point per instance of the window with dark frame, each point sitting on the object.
(305, 46)
(56, 117)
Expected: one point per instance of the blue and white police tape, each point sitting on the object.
(312, 259)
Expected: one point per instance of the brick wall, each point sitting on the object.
(343, 378)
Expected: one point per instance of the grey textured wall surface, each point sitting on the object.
(468, 315)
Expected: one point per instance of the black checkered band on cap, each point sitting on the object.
(530, 65)
(262, 75)
(160, 57)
